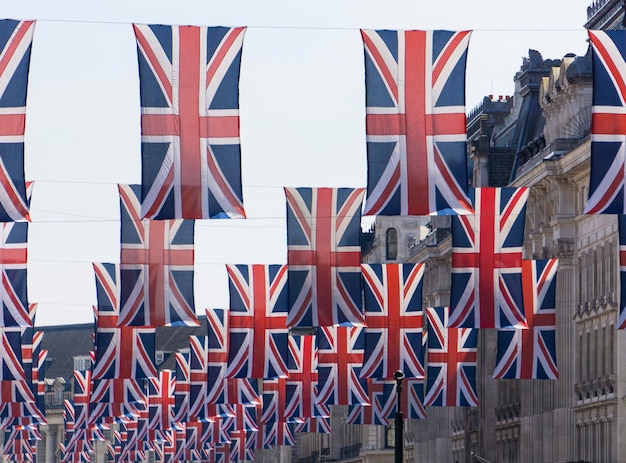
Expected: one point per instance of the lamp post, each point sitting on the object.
(399, 444)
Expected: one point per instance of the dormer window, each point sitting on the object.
(392, 244)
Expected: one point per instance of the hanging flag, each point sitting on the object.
(181, 392)
(383, 401)
(115, 398)
(258, 316)
(608, 132)
(121, 351)
(222, 390)
(340, 357)
(190, 148)
(161, 403)
(13, 257)
(16, 39)
(531, 353)
(412, 400)
(324, 256)
(451, 371)
(242, 446)
(156, 267)
(11, 359)
(275, 434)
(198, 377)
(317, 425)
(301, 386)
(393, 311)
(415, 122)
(486, 284)
(274, 401)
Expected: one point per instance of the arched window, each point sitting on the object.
(392, 244)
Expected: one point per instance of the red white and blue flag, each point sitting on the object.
(324, 256)
(317, 425)
(156, 267)
(276, 434)
(383, 401)
(113, 399)
(415, 123)
(274, 401)
(451, 362)
(486, 285)
(120, 351)
(608, 124)
(181, 392)
(189, 92)
(198, 377)
(13, 258)
(258, 316)
(393, 311)
(222, 390)
(302, 383)
(161, 404)
(531, 353)
(340, 357)
(16, 39)
(12, 363)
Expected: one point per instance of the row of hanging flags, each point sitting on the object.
(250, 383)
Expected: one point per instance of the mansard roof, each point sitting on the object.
(64, 342)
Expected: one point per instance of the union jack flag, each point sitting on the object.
(156, 267)
(451, 354)
(621, 225)
(242, 445)
(383, 401)
(324, 256)
(181, 392)
(222, 390)
(12, 361)
(15, 391)
(15, 46)
(21, 414)
(393, 310)
(608, 127)
(244, 419)
(274, 400)
(120, 351)
(189, 91)
(198, 377)
(415, 123)
(275, 434)
(317, 425)
(161, 403)
(531, 353)
(115, 398)
(13, 257)
(340, 357)
(258, 316)
(301, 385)
(486, 284)
(412, 399)
(39, 375)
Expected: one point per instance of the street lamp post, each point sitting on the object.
(399, 447)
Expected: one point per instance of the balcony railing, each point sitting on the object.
(54, 400)
(351, 451)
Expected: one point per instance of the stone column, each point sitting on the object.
(51, 447)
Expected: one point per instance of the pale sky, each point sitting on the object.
(302, 116)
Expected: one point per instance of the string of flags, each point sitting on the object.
(251, 382)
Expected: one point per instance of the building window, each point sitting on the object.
(82, 362)
(159, 357)
(392, 244)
